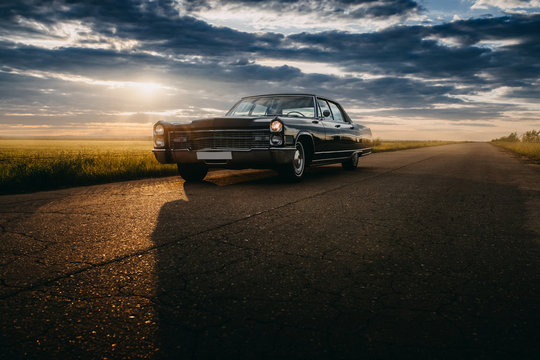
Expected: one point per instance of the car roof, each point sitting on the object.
(288, 94)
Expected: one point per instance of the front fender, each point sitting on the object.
(305, 133)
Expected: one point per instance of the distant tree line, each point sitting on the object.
(531, 136)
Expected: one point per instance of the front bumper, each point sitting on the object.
(240, 158)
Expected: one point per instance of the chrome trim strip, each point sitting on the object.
(337, 151)
(331, 159)
(230, 149)
(215, 130)
(332, 152)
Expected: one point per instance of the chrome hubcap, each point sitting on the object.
(298, 161)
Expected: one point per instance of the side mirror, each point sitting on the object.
(326, 113)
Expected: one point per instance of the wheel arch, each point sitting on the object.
(309, 145)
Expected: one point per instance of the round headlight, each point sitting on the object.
(276, 126)
(159, 142)
(159, 130)
(276, 139)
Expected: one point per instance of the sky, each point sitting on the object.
(408, 69)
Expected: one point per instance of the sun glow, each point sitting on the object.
(148, 88)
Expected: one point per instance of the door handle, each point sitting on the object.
(338, 125)
(315, 121)
(351, 127)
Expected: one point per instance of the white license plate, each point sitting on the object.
(214, 155)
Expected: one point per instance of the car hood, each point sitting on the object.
(226, 122)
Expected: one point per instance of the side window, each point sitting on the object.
(324, 106)
(338, 116)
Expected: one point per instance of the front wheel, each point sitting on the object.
(192, 172)
(295, 170)
(351, 163)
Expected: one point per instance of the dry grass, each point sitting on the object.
(381, 146)
(528, 149)
(30, 165)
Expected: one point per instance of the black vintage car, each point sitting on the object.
(286, 132)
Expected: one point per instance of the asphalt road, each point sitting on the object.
(425, 253)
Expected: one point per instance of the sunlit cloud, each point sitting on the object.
(305, 66)
(288, 17)
(500, 96)
(65, 34)
(407, 68)
(25, 126)
(189, 113)
(506, 4)
(494, 44)
(143, 87)
(243, 19)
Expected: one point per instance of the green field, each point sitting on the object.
(32, 165)
(528, 149)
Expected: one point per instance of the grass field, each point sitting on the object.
(528, 149)
(32, 165)
(381, 146)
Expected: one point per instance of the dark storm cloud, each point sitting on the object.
(416, 50)
(103, 64)
(399, 51)
(15, 88)
(390, 8)
(62, 60)
(161, 22)
(417, 67)
(472, 31)
(50, 11)
(405, 50)
(157, 25)
(346, 8)
(372, 93)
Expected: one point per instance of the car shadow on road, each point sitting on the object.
(412, 272)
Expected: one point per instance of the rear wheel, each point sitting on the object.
(351, 163)
(295, 170)
(192, 172)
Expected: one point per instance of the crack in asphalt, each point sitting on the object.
(165, 244)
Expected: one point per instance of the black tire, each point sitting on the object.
(295, 170)
(351, 163)
(192, 172)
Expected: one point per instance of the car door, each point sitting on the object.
(348, 140)
(332, 132)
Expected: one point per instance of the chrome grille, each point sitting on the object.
(219, 139)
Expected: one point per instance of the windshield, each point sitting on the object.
(297, 106)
